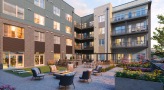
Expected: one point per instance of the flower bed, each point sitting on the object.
(7, 87)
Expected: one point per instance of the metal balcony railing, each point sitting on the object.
(130, 44)
(130, 15)
(131, 30)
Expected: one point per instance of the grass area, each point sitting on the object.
(44, 69)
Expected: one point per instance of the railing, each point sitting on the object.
(88, 47)
(131, 30)
(130, 15)
(130, 44)
(78, 47)
(88, 36)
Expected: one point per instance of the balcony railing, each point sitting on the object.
(132, 30)
(89, 47)
(78, 47)
(130, 44)
(130, 15)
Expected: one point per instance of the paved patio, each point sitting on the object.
(104, 82)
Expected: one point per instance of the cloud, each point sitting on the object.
(81, 8)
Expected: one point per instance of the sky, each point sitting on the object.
(85, 7)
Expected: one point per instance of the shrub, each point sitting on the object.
(7, 87)
(107, 68)
(140, 75)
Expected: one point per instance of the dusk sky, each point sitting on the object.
(85, 7)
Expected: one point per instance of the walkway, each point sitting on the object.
(104, 82)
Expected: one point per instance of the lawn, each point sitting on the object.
(44, 69)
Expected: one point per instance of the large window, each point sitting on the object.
(68, 29)
(101, 42)
(13, 31)
(56, 25)
(13, 10)
(56, 40)
(39, 36)
(102, 30)
(141, 40)
(40, 3)
(102, 18)
(56, 11)
(39, 59)
(140, 12)
(68, 42)
(68, 17)
(38, 19)
(119, 29)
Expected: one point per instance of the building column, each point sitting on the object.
(49, 47)
(29, 46)
(63, 47)
(1, 43)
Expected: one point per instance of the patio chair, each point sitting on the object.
(86, 75)
(70, 67)
(67, 80)
(37, 73)
(97, 69)
(53, 69)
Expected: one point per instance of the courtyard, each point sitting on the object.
(104, 82)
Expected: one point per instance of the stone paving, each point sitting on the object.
(104, 82)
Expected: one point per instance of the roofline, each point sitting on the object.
(68, 4)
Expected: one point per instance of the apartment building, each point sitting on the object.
(35, 31)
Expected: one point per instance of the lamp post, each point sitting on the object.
(107, 9)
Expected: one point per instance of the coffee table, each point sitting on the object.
(60, 73)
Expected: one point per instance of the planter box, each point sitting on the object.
(133, 84)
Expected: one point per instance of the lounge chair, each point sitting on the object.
(53, 69)
(70, 67)
(37, 73)
(97, 69)
(67, 80)
(86, 75)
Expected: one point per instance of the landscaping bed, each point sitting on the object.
(44, 69)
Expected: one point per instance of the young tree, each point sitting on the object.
(159, 37)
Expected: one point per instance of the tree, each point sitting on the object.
(159, 37)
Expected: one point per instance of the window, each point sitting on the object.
(140, 12)
(120, 29)
(56, 40)
(102, 18)
(84, 25)
(56, 56)
(39, 59)
(40, 3)
(56, 25)
(130, 15)
(38, 19)
(13, 10)
(91, 23)
(68, 17)
(68, 42)
(119, 17)
(102, 57)
(56, 11)
(141, 26)
(13, 31)
(102, 30)
(68, 30)
(101, 42)
(140, 40)
(39, 36)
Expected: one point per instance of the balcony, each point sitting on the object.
(132, 44)
(89, 47)
(130, 16)
(129, 31)
(77, 47)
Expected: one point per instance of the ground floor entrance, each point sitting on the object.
(13, 60)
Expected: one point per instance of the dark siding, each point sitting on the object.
(68, 49)
(13, 44)
(39, 47)
(56, 48)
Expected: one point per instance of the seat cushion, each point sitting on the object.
(41, 75)
(36, 70)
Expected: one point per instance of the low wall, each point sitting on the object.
(132, 84)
